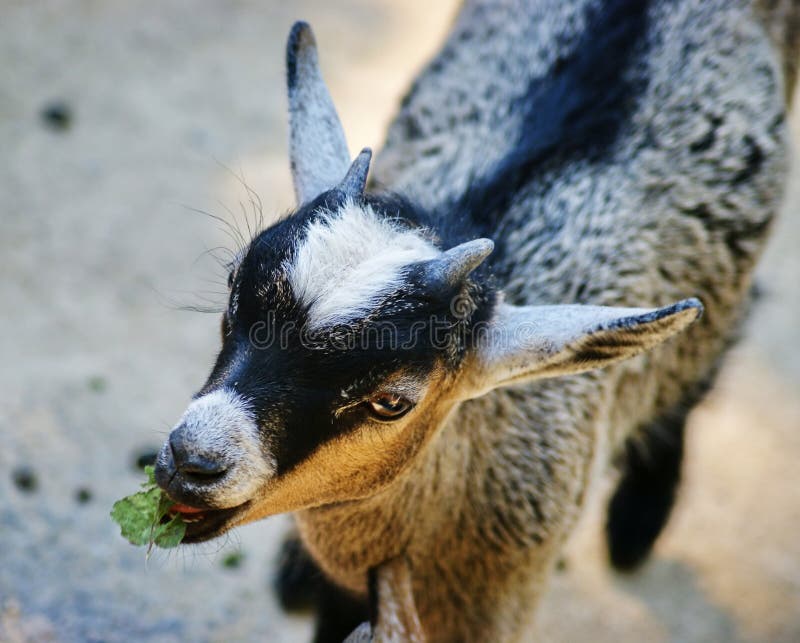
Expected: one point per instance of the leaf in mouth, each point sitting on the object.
(141, 517)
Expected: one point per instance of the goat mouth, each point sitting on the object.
(205, 524)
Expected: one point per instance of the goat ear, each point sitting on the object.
(317, 145)
(523, 343)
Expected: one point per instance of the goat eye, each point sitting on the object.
(389, 407)
(230, 279)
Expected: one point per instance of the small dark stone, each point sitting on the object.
(146, 458)
(83, 495)
(233, 560)
(25, 479)
(97, 383)
(57, 115)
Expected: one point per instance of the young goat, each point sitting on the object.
(416, 377)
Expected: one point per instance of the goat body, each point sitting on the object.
(618, 153)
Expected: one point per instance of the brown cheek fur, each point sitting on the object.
(360, 464)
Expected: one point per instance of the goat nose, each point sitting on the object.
(191, 461)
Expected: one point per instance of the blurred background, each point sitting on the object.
(120, 124)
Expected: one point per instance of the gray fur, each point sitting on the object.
(672, 209)
(782, 22)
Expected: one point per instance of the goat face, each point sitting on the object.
(340, 349)
(350, 335)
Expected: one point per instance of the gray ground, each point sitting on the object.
(99, 248)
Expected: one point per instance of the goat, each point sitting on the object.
(439, 370)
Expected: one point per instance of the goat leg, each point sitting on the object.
(394, 617)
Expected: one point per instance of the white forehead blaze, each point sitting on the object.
(349, 261)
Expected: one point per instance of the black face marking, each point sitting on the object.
(306, 388)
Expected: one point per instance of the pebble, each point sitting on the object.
(57, 115)
(233, 560)
(83, 495)
(25, 479)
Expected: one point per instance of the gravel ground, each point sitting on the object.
(118, 125)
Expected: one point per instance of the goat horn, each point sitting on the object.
(458, 262)
(355, 181)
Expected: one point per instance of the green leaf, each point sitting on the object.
(170, 534)
(150, 483)
(140, 516)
